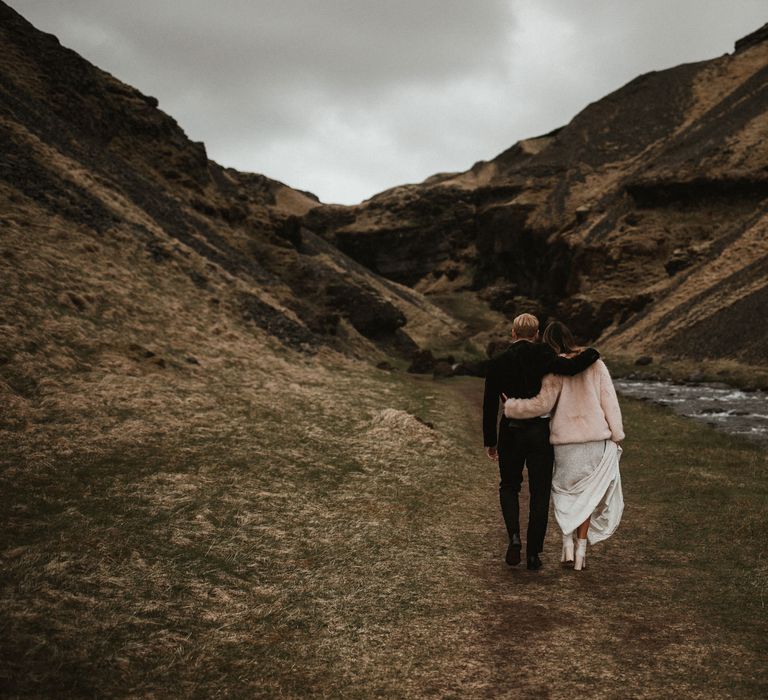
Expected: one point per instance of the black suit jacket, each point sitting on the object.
(518, 372)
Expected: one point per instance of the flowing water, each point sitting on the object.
(723, 407)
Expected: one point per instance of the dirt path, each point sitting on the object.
(633, 624)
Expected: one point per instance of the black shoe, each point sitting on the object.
(534, 562)
(513, 554)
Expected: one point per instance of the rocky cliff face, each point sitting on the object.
(118, 231)
(643, 222)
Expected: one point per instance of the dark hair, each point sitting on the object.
(559, 338)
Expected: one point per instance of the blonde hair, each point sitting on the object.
(525, 326)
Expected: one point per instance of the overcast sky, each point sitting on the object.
(349, 97)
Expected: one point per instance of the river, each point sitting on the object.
(725, 408)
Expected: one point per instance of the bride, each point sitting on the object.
(586, 431)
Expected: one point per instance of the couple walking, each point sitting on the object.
(562, 420)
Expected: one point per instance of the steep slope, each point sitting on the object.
(177, 371)
(642, 222)
(101, 193)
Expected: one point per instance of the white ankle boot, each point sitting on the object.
(580, 560)
(567, 556)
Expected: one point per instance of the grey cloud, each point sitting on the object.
(348, 44)
(349, 97)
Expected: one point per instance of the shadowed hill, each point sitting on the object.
(117, 226)
(643, 222)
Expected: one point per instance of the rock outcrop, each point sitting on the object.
(643, 222)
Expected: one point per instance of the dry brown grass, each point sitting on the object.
(245, 545)
(340, 547)
(271, 524)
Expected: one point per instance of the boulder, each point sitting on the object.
(422, 362)
(371, 315)
(442, 369)
(499, 294)
(582, 214)
(470, 369)
(523, 305)
(679, 260)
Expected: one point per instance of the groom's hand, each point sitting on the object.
(492, 453)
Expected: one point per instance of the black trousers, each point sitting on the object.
(526, 444)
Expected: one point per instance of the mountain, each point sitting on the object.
(643, 223)
(115, 225)
(189, 408)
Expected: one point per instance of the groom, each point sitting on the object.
(517, 373)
